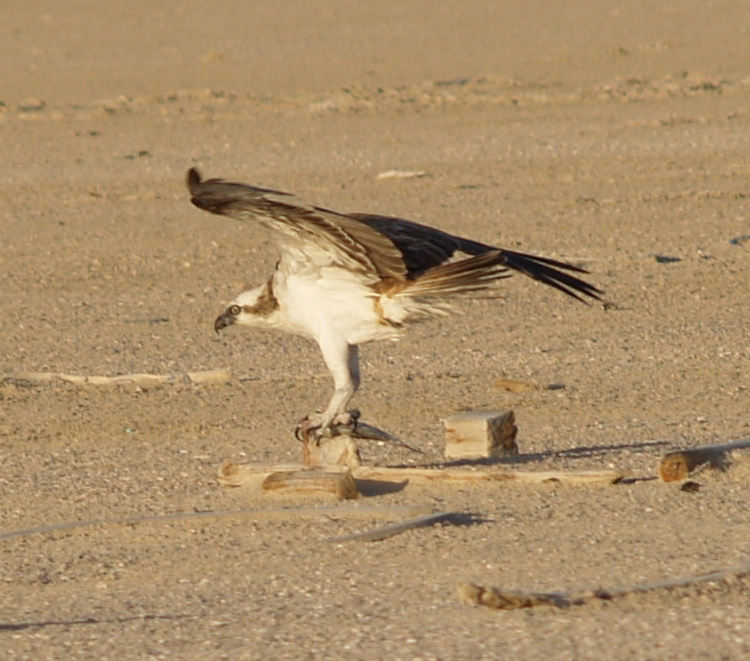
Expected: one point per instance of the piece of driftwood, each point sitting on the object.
(216, 376)
(72, 622)
(401, 174)
(237, 475)
(251, 474)
(582, 477)
(210, 377)
(291, 478)
(502, 599)
(677, 465)
(340, 483)
(480, 434)
(383, 532)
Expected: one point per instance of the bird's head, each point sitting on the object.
(250, 308)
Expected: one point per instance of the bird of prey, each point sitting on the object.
(345, 279)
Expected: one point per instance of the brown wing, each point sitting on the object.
(342, 239)
(381, 246)
(425, 249)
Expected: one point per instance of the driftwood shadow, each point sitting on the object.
(369, 488)
(583, 452)
(427, 520)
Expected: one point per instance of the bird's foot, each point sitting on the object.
(312, 428)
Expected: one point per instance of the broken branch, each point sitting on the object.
(502, 599)
(677, 465)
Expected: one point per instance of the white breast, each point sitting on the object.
(333, 298)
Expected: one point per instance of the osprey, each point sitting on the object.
(347, 279)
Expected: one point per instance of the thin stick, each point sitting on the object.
(235, 475)
(275, 513)
(202, 376)
(501, 475)
(503, 599)
(20, 626)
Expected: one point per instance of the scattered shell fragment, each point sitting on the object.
(401, 174)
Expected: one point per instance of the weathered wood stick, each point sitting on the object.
(583, 477)
(235, 475)
(291, 478)
(334, 511)
(216, 376)
(502, 599)
(203, 376)
(677, 465)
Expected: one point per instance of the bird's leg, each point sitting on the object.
(353, 364)
(342, 360)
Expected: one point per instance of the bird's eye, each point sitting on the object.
(234, 310)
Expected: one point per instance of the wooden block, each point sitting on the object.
(477, 434)
(337, 451)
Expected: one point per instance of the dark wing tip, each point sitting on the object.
(194, 182)
(201, 193)
(193, 179)
(221, 197)
(552, 272)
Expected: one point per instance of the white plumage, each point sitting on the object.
(347, 279)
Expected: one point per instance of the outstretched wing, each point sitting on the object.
(332, 236)
(378, 246)
(425, 248)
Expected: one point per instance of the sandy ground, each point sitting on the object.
(605, 134)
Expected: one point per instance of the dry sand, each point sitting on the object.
(608, 134)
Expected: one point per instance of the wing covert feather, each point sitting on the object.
(352, 243)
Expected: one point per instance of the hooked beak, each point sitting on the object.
(223, 320)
